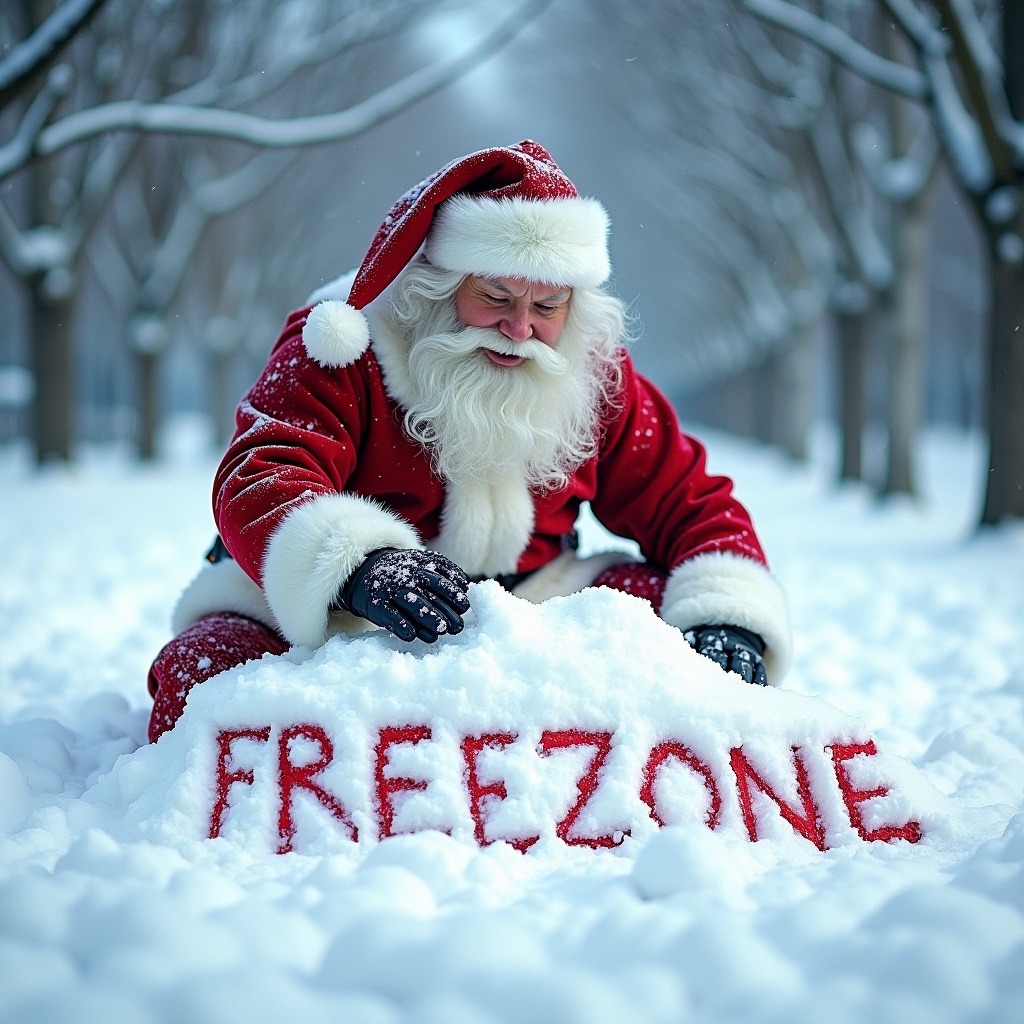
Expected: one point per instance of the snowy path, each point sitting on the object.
(903, 619)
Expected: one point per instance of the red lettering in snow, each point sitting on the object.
(224, 779)
(853, 798)
(385, 787)
(805, 819)
(674, 749)
(291, 777)
(471, 748)
(602, 744)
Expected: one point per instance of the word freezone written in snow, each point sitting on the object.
(740, 785)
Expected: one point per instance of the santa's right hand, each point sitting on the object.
(411, 593)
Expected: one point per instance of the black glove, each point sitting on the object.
(734, 648)
(409, 592)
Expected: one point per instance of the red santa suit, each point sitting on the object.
(321, 470)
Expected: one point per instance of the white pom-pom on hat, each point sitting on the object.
(335, 334)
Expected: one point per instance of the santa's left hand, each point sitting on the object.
(734, 648)
(411, 593)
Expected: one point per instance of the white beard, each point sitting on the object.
(536, 421)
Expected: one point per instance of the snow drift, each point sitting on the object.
(116, 906)
(586, 721)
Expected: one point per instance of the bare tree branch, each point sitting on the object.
(962, 139)
(345, 35)
(301, 131)
(924, 34)
(29, 56)
(972, 56)
(18, 150)
(205, 201)
(889, 74)
(898, 178)
(980, 142)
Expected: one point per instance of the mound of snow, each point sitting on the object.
(586, 721)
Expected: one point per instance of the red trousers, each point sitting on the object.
(225, 640)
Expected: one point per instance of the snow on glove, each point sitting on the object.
(409, 592)
(734, 648)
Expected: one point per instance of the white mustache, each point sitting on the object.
(470, 339)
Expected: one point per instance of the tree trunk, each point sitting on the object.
(907, 312)
(905, 362)
(1004, 495)
(1013, 54)
(222, 407)
(793, 395)
(51, 298)
(53, 368)
(732, 404)
(853, 347)
(148, 402)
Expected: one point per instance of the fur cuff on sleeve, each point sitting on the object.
(720, 589)
(314, 551)
(221, 587)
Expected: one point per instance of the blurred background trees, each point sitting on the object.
(137, 207)
(962, 62)
(816, 204)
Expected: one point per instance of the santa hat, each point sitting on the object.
(504, 212)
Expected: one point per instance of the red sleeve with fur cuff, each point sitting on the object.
(653, 485)
(278, 498)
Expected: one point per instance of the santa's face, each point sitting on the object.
(517, 395)
(519, 309)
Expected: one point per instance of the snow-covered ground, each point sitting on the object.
(114, 907)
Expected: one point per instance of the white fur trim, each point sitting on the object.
(335, 334)
(485, 527)
(568, 574)
(391, 348)
(721, 589)
(314, 551)
(221, 587)
(561, 241)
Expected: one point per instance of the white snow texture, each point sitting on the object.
(116, 906)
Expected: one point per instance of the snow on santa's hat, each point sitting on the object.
(505, 212)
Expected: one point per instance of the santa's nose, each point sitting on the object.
(516, 325)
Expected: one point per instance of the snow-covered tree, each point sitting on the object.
(873, 166)
(212, 69)
(752, 258)
(966, 69)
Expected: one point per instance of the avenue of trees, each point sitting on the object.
(794, 147)
(94, 91)
(817, 131)
(961, 63)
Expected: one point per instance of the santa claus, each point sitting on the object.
(438, 419)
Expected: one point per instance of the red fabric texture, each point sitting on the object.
(305, 431)
(641, 580)
(523, 171)
(213, 645)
